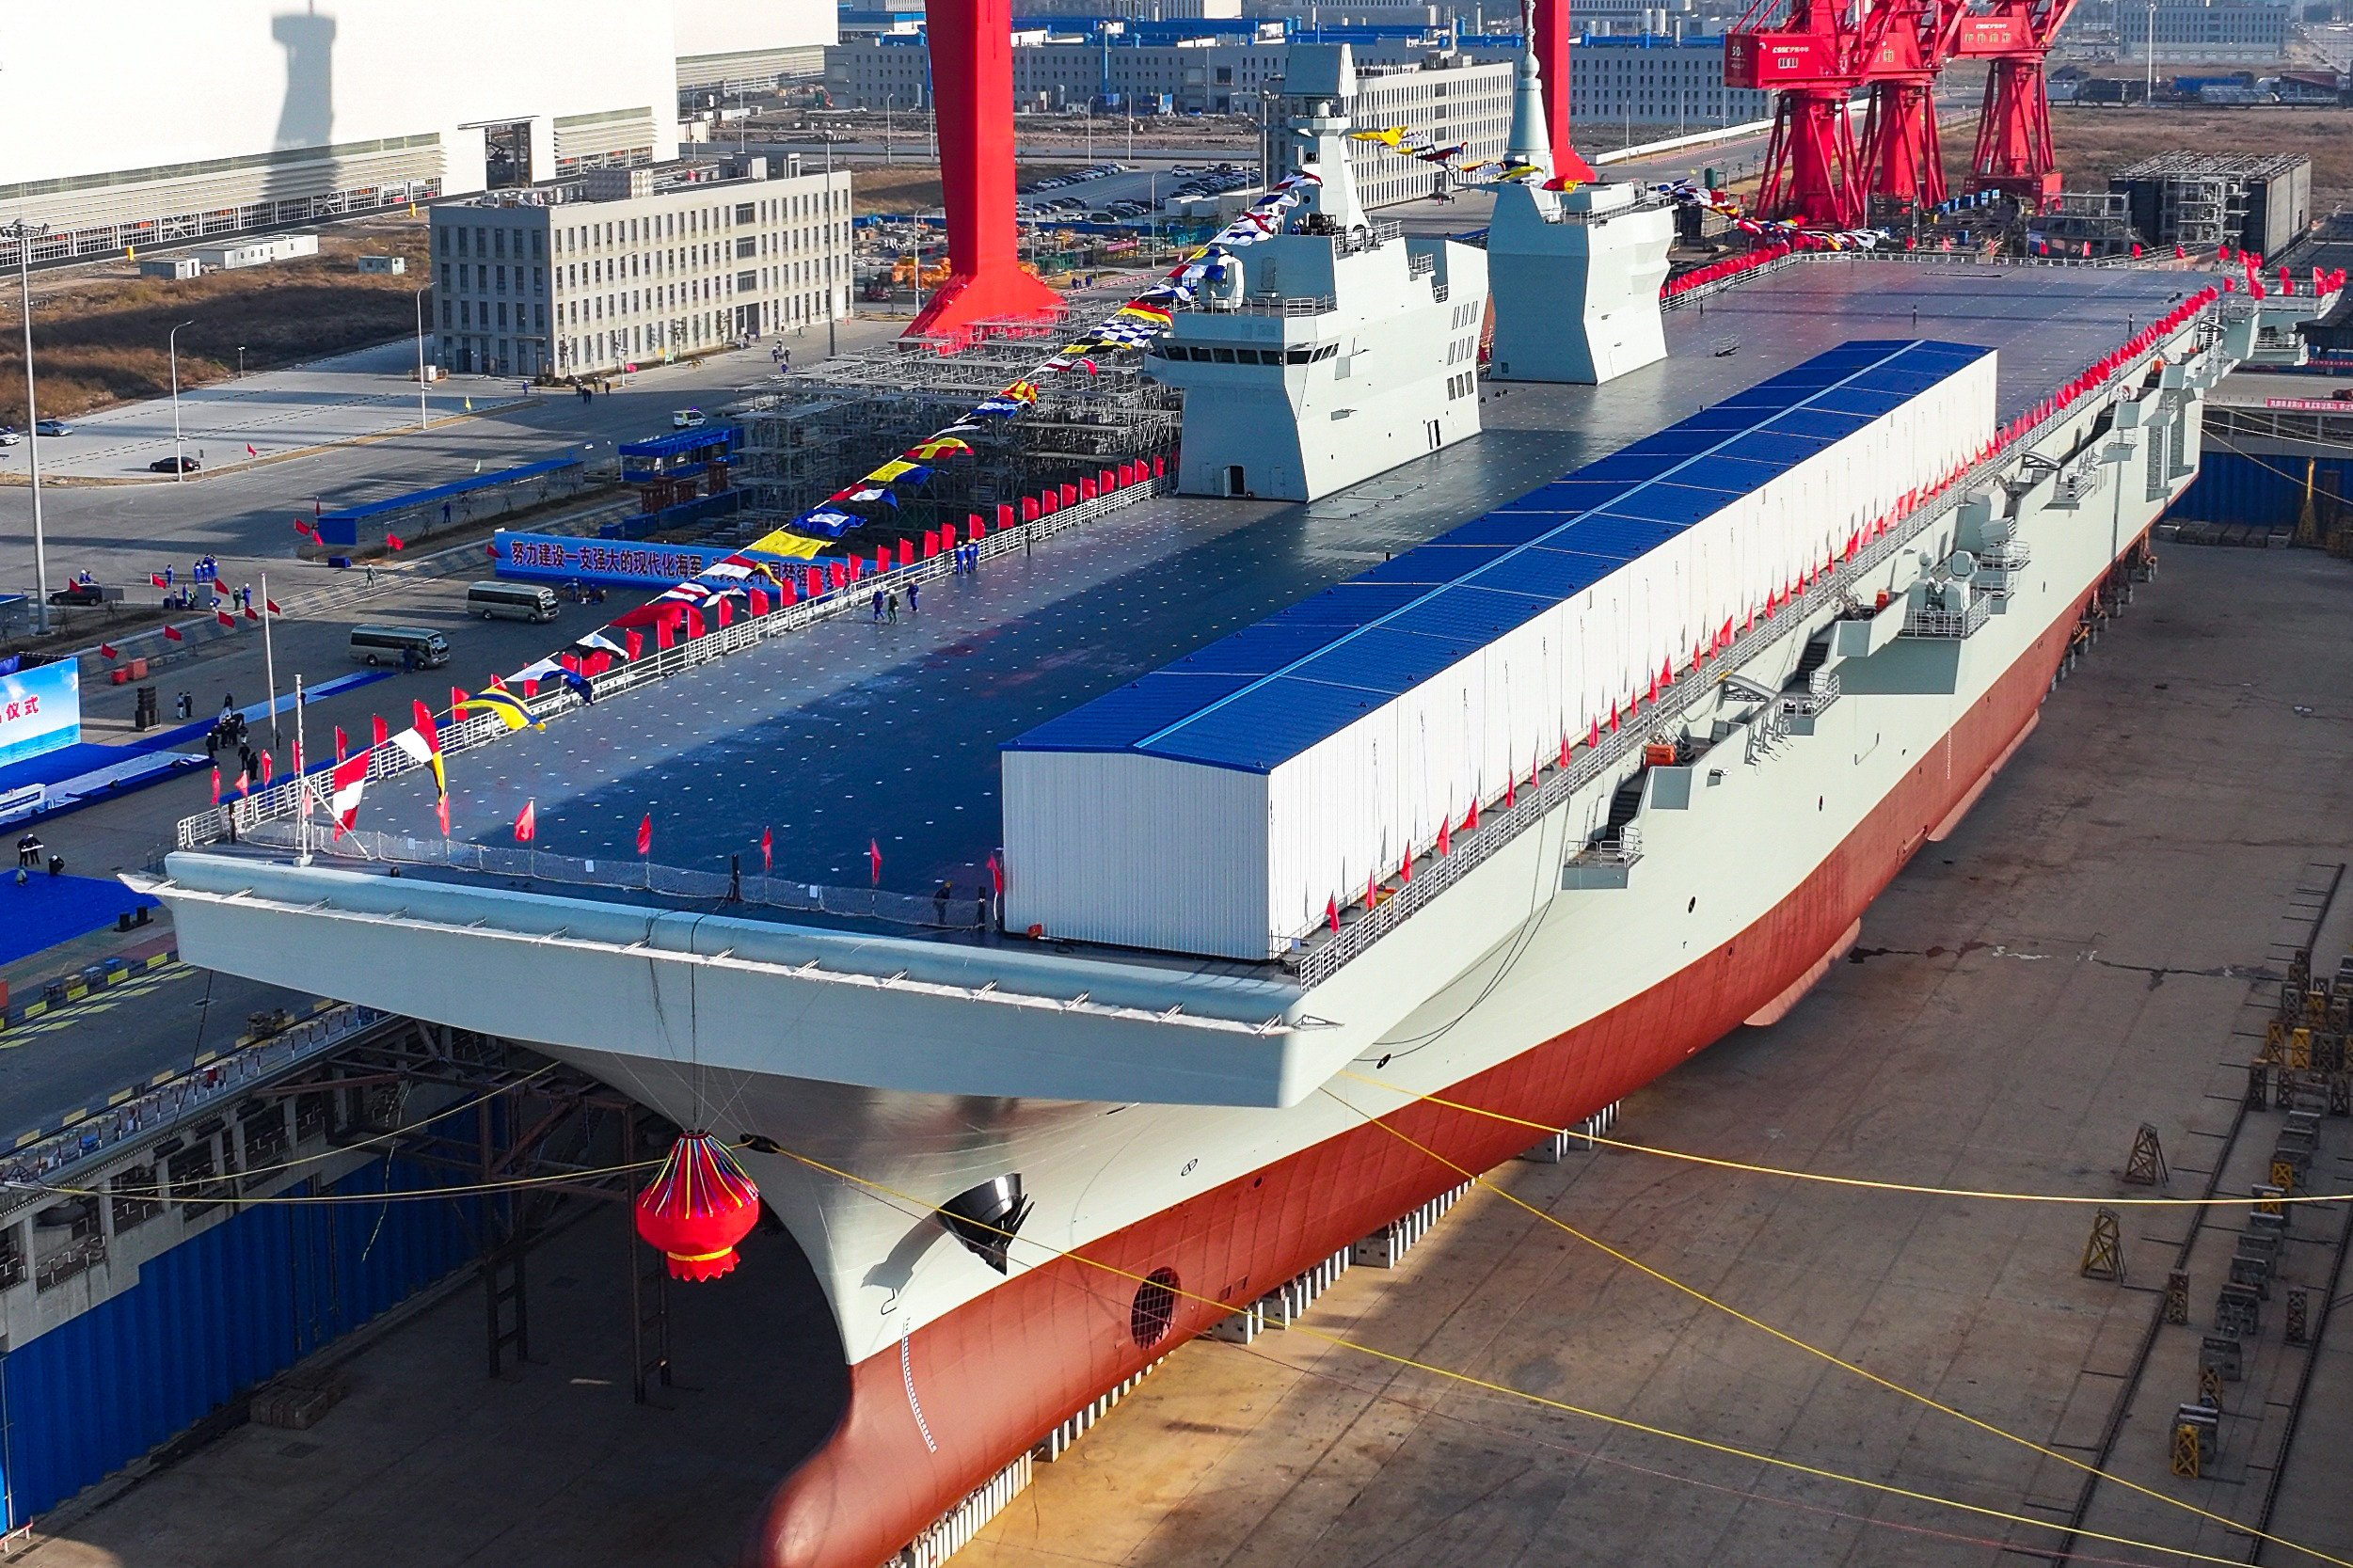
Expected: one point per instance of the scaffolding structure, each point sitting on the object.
(838, 419)
(2205, 199)
(2101, 219)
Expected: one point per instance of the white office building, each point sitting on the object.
(236, 115)
(2204, 30)
(1660, 81)
(633, 266)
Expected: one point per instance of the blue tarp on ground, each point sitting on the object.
(66, 762)
(48, 909)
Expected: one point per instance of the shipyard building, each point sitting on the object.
(625, 266)
(252, 115)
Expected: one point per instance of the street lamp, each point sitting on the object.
(422, 423)
(241, 361)
(2149, 54)
(171, 345)
(24, 234)
(830, 305)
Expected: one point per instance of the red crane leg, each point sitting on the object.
(2014, 154)
(1901, 156)
(972, 92)
(1810, 162)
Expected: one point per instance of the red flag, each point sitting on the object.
(526, 822)
(157, 578)
(1446, 834)
(249, 451)
(268, 768)
(1593, 736)
(392, 542)
(225, 619)
(1471, 817)
(694, 623)
(637, 644)
(302, 526)
(759, 602)
(251, 614)
(767, 850)
(645, 834)
(216, 786)
(1372, 889)
(874, 862)
(342, 744)
(1405, 869)
(380, 731)
(726, 611)
(1331, 914)
(442, 814)
(244, 781)
(996, 876)
(1509, 798)
(107, 650)
(1563, 750)
(271, 605)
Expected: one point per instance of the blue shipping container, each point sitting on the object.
(228, 1309)
(2267, 491)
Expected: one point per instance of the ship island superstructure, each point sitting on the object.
(1334, 350)
(1576, 271)
(1712, 652)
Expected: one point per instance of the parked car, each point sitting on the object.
(686, 418)
(10, 435)
(52, 427)
(173, 465)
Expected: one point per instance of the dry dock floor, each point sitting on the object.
(2093, 949)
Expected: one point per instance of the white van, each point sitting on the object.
(513, 601)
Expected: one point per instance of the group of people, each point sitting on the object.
(230, 733)
(964, 560)
(886, 602)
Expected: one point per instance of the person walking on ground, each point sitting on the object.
(28, 851)
(940, 898)
(228, 707)
(912, 589)
(892, 600)
(445, 513)
(371, 578)
(878, 607)
(186, 707)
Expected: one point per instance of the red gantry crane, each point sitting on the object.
(2013, 152)
(1814, 57)
(1810, 61)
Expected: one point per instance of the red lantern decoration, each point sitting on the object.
(698, 1205)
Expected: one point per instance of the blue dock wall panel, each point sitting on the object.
(225, 1310)
(2266, 491)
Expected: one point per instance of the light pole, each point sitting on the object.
(423, 421)
(2149, 54)
(830, 305)
(241, 361)
(171, 345)
(24, 234)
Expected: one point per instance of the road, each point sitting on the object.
(243, 514)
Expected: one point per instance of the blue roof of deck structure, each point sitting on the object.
(1269, 692)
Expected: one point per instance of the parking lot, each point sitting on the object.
(1125, 193)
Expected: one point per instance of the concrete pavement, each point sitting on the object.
(243, 514)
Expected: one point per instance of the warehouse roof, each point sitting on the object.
(1270, 691)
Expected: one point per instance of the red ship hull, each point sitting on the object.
(996, 1376)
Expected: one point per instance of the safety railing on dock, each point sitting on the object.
(96, 1132)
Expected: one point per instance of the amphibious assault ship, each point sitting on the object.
(1515, 776)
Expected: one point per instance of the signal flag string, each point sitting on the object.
(885, 1193)
(1864, 1183)
(1832, 1357)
